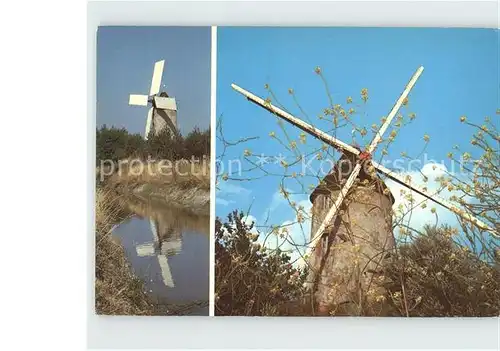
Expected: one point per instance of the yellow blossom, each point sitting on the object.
(303, 138)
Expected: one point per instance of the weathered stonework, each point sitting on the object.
(354, 246)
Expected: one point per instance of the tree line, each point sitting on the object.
(117, 144)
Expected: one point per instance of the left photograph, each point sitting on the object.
(152, 169)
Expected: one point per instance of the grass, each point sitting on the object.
(183, 173)
(117, 290)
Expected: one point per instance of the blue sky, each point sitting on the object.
(461, 77)
(125, 61)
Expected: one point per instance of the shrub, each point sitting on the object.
(197, 143)
(248, 279)
(433, 276)
(118, 144)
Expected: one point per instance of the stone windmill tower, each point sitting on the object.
(350, 254)
(163, 111)
(351, 232)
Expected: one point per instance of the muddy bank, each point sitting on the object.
(186, 188)
(194, 199)
(117, 290)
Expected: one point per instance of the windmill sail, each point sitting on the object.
(163, 113)
(148, 123)
(138, 100)
(435, 198)
(156, 80)
(343, 147)
(150, 249)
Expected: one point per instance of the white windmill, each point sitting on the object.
(329, 217)
(163, 111)
(350, 150)
(161, 249)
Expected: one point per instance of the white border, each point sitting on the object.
(209, 332)
(213, 99)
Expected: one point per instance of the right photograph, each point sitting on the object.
(357, 172)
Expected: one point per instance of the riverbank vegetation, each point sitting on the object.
(143, 175)
(167, 165)
(117, 290)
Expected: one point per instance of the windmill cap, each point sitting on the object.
(341, 171)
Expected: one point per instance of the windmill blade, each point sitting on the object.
(373, 145)
(333, 210)
(306, 127)
(148, 123)
(138, 100)
(165, 103)
(170, 248)
(378, 137)
(166, 274)
(145, 250)
(157, 75)
(437, 199)
(154, 230)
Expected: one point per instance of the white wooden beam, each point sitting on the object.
(306, 127)
(435, 198)
(319, 134)
(378, 137)
(336, 206)
(373, 145)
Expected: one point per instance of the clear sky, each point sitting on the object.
(461, 77)
(125, 61)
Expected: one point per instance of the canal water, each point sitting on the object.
(169, 250)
